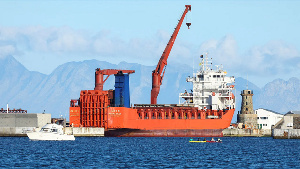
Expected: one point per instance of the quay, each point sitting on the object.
(236, 132)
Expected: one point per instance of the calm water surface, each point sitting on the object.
(100, 152)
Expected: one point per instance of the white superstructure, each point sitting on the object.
(211, 88)
(52, 132)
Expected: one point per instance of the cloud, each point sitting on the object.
(65, 41)
(272, 58)
(6, 50)
(37, 38)
(275, 57)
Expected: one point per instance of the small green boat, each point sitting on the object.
(192, 141)
(205, 141)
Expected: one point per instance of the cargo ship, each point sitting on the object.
(203, 112)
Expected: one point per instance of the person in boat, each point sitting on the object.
(219, 140)
(212, 139)
(191, 139)
(198, 139)
(204, 139)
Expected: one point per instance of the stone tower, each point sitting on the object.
(247, 104)
(247, 116)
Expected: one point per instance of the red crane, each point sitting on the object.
(158, 73)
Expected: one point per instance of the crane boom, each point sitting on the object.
(158, 73)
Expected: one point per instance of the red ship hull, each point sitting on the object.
(164, 133)
(128, 122)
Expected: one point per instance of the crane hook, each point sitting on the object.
(188, 24)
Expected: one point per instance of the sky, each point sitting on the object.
(258, 40)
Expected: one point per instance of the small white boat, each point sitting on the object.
(50, 132)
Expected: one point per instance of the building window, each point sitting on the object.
(257, 117)
(248, 92)
(264, 118)
(265, 125)
(246, 103)
(246, 109)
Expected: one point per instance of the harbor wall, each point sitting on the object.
(18, 124)
(286, 133)
(247, 132)
(85, 131)
(24, 120)
(16, 131)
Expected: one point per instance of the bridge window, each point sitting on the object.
(200, 76)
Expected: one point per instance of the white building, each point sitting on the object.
(267, 118)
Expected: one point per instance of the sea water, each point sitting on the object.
(105, 152)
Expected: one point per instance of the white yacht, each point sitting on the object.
(50, 132)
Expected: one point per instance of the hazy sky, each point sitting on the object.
(258, 39)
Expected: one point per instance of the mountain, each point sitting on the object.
(17, 83)
(280, 96)
(36, 92)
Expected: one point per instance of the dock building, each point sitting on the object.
(267, 118)
(288, 127)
